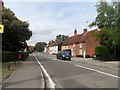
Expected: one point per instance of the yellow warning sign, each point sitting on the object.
(1, 28)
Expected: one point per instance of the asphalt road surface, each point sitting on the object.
(79, 73)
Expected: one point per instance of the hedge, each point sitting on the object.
(102, 52)
(13, 56)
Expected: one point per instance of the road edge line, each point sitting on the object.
(50, 83)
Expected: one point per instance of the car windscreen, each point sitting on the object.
(65, 53)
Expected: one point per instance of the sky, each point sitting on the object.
(50, 18)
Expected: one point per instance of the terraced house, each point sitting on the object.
(82, 44)
(53, 47)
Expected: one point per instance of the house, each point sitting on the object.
(82, 44)
(31, 48)
(47, 48)
(53, 47)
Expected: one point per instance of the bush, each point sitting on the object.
(102, 52)
(9, 56)
(13, 56)
(24, 55)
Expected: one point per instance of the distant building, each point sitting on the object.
(82, 44)
(31, 48)
(53, 47)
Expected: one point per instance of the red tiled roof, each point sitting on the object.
(79, 38)
(54, 43)
(72, 40)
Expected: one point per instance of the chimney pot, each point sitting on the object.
(75, 32)
(85, 30)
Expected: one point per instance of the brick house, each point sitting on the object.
(82, 44)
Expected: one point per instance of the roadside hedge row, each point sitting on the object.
(103, 54)
(13, 56)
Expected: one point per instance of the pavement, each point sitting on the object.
(27, 75)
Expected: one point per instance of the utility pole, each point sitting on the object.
(1, 5)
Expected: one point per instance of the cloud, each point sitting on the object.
(51, 0)
(57, 0)
(52, 18)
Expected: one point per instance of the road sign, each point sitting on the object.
(1, 28)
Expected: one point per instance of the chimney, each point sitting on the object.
(84, 31)
(75, 32)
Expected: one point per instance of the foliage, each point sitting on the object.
(108, 21)
(40, 46)
(101, 51)
(8, 68)
(13, 56)
(61, 37)
(9, 56)
(16, 32)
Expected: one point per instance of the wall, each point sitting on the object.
(53, 50)
(64, 47)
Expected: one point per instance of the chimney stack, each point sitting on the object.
(75, 32)
(85, 30)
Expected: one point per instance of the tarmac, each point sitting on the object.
(28, 75)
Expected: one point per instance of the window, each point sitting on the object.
(81, 45)
(80, 52)
(74, 45)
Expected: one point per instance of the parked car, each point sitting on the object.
(68, 50)
(63, 55)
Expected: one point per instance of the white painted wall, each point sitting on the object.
(53, 49)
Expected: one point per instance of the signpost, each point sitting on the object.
(1, 28)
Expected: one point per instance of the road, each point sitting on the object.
(79, 73)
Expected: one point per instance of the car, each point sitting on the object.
(68, 50)
(63, 55)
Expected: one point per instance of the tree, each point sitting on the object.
(61, 37)
(16, 32)
(108, 21)
(40, 46)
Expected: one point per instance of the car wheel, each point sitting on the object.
(60, 58)
(70, 59)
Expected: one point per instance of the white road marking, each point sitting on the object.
(112, 62)
(51, 83)
(55, 59)
(98, 71)
(99, 64)
(43, 83)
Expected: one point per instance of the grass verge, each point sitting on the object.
(8, 68)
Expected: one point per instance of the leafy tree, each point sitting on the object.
(108, 21)
(61, 37)
(40, 46)
(16, 32)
